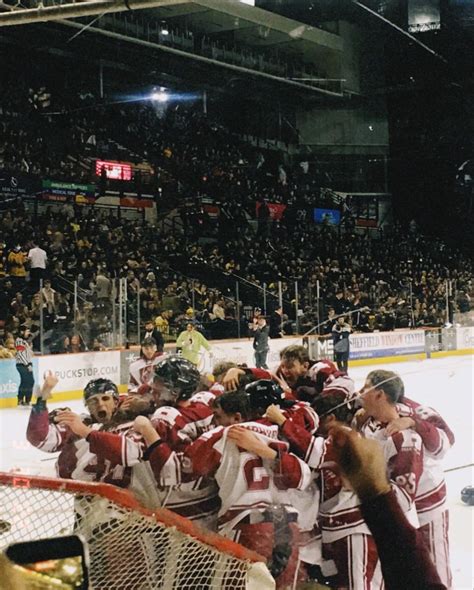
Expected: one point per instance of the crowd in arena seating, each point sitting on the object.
(385, 279)
(374, 286)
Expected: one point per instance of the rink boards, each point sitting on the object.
(75, 370)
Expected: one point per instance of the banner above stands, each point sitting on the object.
(276, 210)
(53, 190)
(18, 185)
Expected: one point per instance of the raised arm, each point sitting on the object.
(43, 431)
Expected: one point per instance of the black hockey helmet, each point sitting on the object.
(100, 386)
(264, 393)
(178, 375)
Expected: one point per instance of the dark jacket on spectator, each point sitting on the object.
(157, 337)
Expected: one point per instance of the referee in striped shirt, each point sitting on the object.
(24, 365)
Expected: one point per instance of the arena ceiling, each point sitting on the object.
(246, 26)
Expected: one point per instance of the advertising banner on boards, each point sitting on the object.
(74, 371)
(380, 344)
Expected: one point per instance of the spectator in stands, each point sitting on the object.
(98, 345)
(464, 302)
(103, 289)
(5, 352)
(162, 322)
(16, 263)
(263, 217)
(63, 346)
(38, 259)
(76, 344)
(218, 311)
(76, 250)
(62, 306)
(152, 332)
(340, 338)
(339, 302)
(276, 321)
(48, 297)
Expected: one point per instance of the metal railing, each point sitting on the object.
(69, 317)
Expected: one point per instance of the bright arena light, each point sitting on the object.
(159, 96)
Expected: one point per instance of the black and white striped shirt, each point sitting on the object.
(24, 352)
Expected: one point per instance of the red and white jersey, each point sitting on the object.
(301, 418)
(181, 425)
(103, 457)
(322, 377)
(141, 372)
(312, 450)
(339, 383)
(246, 482)
(403, 452)
(217, 389)
(304, 443)
(115, 456)
(339, 510)
(196, 499)
(306, 502)
(302, 414)
(190, 497)
(340, 513)
(437, 440)
(436, 435)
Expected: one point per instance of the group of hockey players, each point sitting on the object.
(250, 454)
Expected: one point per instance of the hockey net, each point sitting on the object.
(130, 547)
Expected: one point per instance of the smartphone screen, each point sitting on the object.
(61, 560)
(68, 571)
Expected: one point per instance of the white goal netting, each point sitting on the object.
(130, 548)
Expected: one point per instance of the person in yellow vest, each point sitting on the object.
(162, 322)
(190, 342)
(16, 262)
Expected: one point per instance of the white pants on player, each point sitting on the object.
(436, 537)
(357, 562)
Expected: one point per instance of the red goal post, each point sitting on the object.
(131, 547)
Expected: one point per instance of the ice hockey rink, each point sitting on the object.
(445, 384)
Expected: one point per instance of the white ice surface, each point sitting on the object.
(445, 384)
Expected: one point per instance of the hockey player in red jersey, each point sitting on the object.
(81, 438)
(346, 537)
(430, 499)
(344, 531)
(300, 377)
(253, 488)
(406, 563)
(141, 370)
(316, 450)
(266, 395)
(183, 412)
(306, 379)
